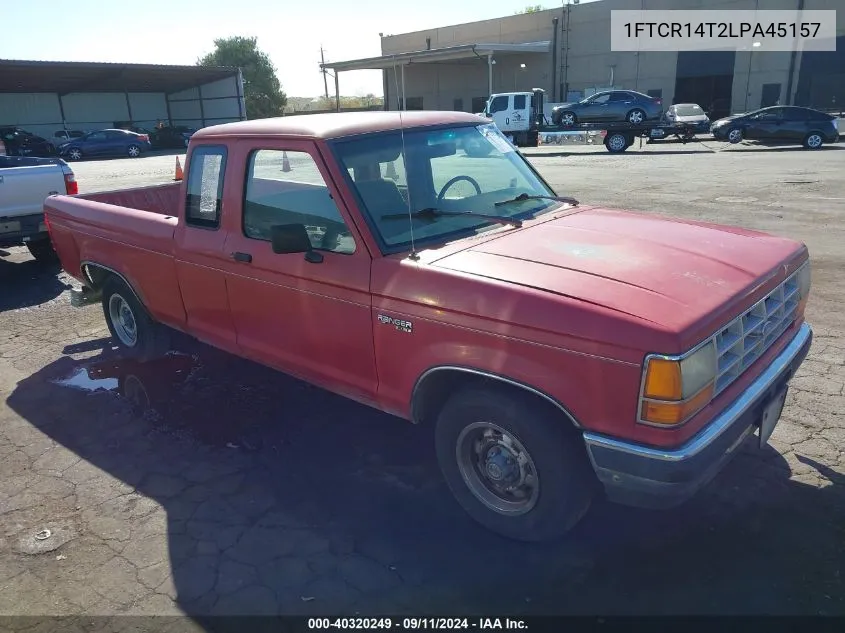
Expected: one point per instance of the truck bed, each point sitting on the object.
(161, 199)
(129, 231)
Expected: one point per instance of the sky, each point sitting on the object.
(181, 31)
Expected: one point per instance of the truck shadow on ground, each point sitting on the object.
(25, 282)
(281, 498)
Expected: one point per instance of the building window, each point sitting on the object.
(458, 105)
(412, 103)
(656, 93)
(771, 95)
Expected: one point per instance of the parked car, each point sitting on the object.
(688, 114)
(106, 143)
(607, 106)
(24, 184)
(779, 125)
(171, 136)
(65, 136)
(555, 350)
(19, 142)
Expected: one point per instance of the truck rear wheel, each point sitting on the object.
(512, 466)
(617, 142)
(133, 329)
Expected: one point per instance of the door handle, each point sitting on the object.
(242, 257)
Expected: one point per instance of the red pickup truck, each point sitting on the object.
(416, 262)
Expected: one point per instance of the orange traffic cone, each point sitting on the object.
(391, 171)
(179, 175)
(285, 162)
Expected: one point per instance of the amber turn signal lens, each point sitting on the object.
(663, 380)
(671, 413)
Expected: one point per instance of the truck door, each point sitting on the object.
(200, 240)
(307, 315)
(520, 113)
(500, 106)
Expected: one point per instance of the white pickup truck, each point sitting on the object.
(25, 183)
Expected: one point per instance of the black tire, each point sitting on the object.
(636, 117)
(152, 339)
(617, 142)
(43, 251)
(813, 140)
(74, 154)
(734, 136)
(566, 483)
(133, 151)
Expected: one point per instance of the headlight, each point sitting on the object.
(676, 388)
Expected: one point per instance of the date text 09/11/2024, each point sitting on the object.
(418, 624)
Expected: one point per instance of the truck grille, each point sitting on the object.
(748, 336)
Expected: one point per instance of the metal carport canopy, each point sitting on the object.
(67, 77)
(462, 51)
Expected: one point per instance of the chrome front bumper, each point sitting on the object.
(646, 476)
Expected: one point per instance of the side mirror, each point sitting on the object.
(293, 238)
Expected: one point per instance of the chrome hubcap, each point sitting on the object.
(568, 119)
(814, 141)
(734, 136)
(133, 151)
(123, 320)
(497, 469)
(636, 117)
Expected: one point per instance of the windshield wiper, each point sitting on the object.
(432, 213)
(524, 196)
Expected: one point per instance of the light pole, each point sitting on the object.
(748, 75)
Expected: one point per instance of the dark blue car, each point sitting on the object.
(106, 143)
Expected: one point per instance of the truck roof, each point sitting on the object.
(337, 124)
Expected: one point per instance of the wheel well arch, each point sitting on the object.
(437, 384)
(97, 274)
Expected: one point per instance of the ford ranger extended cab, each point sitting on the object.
(559, 350)
(24, 184)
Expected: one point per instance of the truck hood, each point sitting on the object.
(668, 272)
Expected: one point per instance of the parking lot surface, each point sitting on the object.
(203, 483)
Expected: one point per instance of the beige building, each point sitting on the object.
(567, 52)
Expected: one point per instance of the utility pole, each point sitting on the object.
(325, 81)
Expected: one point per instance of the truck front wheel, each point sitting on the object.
(132, 328)
(512, 465)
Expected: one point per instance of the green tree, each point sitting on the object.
(262, 91)
(534, 8)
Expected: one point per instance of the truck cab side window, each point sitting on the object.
(288, 188)
(205, 187)
(499, 104)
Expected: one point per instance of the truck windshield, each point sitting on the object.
(457, 169)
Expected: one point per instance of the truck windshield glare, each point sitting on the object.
(456, 170)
